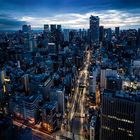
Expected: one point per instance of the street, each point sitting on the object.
(76, 115)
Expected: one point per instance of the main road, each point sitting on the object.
(76, 116)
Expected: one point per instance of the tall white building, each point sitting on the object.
(104, 74)
(93, 80)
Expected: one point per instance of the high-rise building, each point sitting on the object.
(26, 82)
(104, 73)
(57, 95)
(46, 28)
(26, 28)
(53, 27)
(46, 35)
(117, 31)
(108, 34)
(66, 34)
(120, 113)
(59, 28)
(101, 31)
(31, 106)
(58, 35)
(94, 29)
(53, 33)
(92, 81)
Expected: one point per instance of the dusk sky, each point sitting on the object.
(69, 13)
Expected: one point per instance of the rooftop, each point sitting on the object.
(126, 95)
(50, 105)
(32, 98)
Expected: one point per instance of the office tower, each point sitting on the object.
(46, 28)
(26, 28)
(104, 73)
(26, 83)
(59, 28)
(46, 35)
(58, 35)
(108, 34)
(117, 31)
(57, 95)
(31, 44)
(120, 113)
(72, 36)
(35, 42)
(53, 27)
(101, 31)
(53, 33)
(92, 81)
(94, 30)
(31, 107)
(66, 34)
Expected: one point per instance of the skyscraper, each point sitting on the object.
(101, 31)
(94, 30)
(120, 113)
(117, 31)
(53, 27)
(59, 28)
(58, 35)
(46, 35)
(26, 28)
(46, 28)
(108, 34)
(66, 34)
(53, 33)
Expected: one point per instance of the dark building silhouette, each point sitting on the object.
(94, 29)
(117, 31)
(101, 31)
(120, 113)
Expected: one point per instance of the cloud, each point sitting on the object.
(7, 22)
(69, 13)
(52, 7)
(108, 18)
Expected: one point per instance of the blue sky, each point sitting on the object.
(69, 13)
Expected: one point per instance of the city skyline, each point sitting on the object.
(59, 83)
(70, 14)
